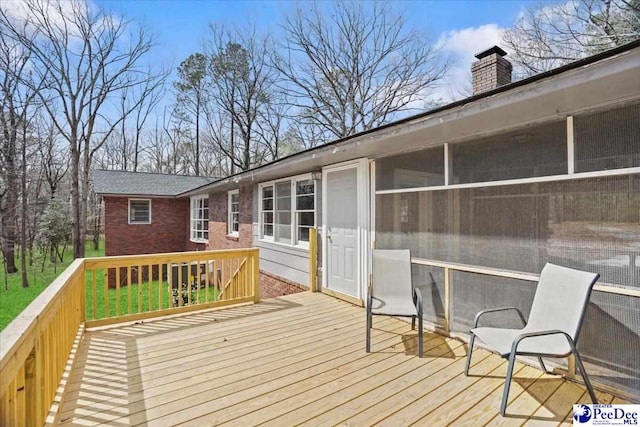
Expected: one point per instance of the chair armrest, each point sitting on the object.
(521, 337)
(493, 310)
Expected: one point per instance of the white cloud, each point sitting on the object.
(462, 45)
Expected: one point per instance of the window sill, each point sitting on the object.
(233, 237)
(199, 241)
(299, 248)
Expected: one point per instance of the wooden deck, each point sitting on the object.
(297, 360)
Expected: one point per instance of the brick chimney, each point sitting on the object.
(491, 70)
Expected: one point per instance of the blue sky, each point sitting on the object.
(465, 27)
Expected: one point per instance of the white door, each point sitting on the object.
(341, 230)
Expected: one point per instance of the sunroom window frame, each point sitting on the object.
(292, 180)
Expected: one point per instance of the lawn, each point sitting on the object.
(132, 299)
(14, 298)
(137, 297)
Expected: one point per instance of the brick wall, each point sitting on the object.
(272, 286)
(218, 210)
(168, 231)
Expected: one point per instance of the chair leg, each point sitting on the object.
(413, 322)
(469, 351)
(585, 377)
(507, 383)
(544, 368)
(368, 346)
(420, 337)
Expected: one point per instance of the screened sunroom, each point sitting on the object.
(483, 215)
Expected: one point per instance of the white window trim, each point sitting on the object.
(129, 211)
(229, 218)
(192, 229)
(294, 220)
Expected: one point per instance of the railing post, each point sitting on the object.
(313, 260)
(255, 259)
(447, 301)
(31, 390)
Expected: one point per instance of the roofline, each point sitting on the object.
(140, 196)
(571, 66)
(157, 173)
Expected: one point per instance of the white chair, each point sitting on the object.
(391, 291)
(552, 330)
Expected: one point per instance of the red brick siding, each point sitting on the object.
(272, 286)
(168, 231)
(218, 208)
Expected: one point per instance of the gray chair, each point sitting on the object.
(552, 330)
(391, 292)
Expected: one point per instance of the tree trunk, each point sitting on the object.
(9, 233)
(96, 228)
(197, 162)
(23, 215)
(76, 218)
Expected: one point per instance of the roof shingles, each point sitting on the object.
(110, 182)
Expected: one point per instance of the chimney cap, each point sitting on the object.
(494, 49)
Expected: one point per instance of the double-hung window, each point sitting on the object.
(200, 218)
(233, 220)
(287, 210)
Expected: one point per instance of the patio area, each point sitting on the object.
(297, 360)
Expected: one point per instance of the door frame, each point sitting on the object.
(363, 231)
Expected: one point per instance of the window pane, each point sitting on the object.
(304, 187)
(283, 189)
(267, 217)
(423, 168)
(235, 197)
(304, 202)
(283, 196)
(536, 151)
(608, 140)
(283, 218)
(306, 218)
(303, 234)
(267, 204)
(267, 192)
(284, 233)
(267, 230)
(234, 222)
(139, 211)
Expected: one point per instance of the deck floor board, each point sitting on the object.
(297, 360)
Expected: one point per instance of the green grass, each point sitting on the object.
(14, 298)
(137, 301)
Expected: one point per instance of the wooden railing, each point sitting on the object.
(137, 287)
(35, 347)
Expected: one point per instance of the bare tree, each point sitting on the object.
(18, 89)
(550, 35)
(352, 66)
(242, 84)
(91, 58)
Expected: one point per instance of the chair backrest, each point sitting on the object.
(392, 273)
(561, 299)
